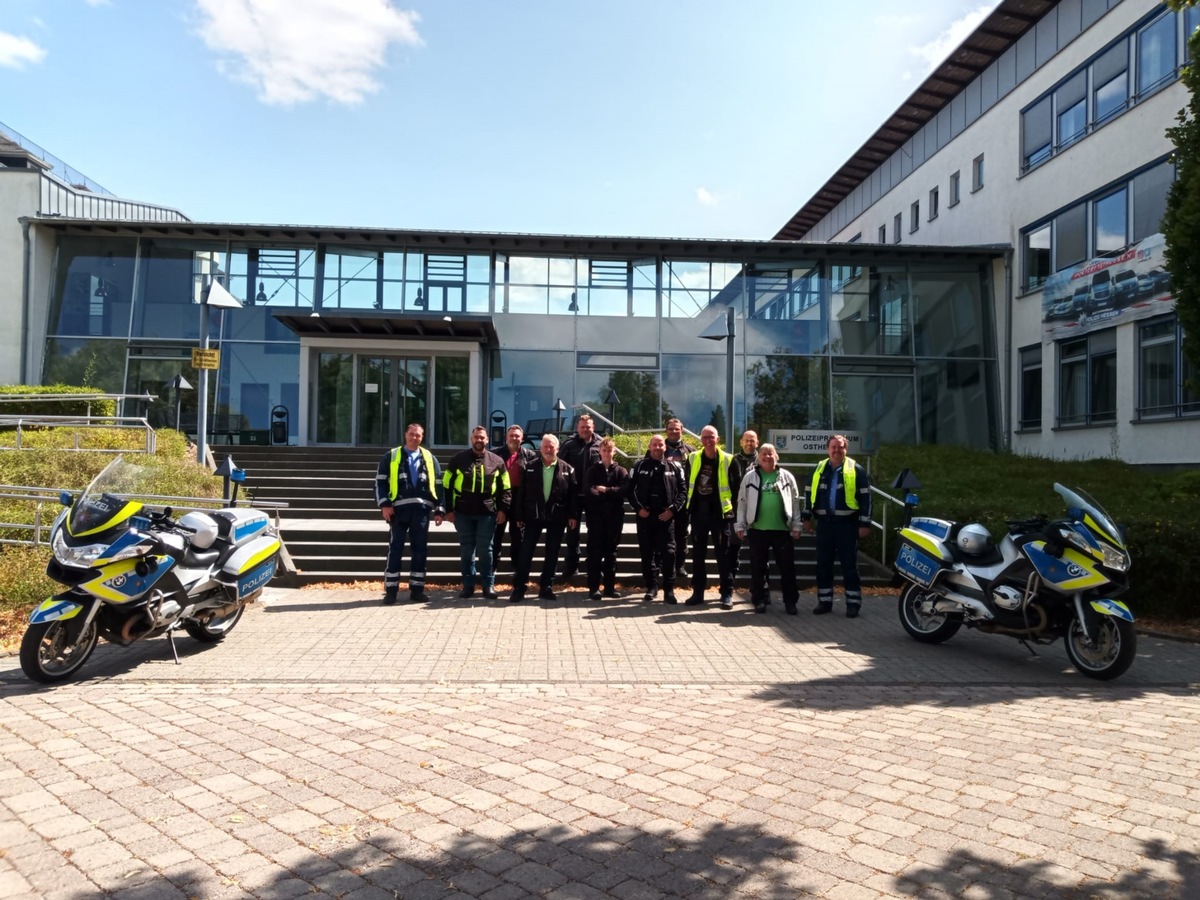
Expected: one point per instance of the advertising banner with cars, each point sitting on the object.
(1107, 291)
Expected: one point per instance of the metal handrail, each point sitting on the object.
(129, 423)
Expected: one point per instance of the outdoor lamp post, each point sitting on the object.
(212, 294)
(612, 401)
(559, 409)
(178, 384)
(722, 329)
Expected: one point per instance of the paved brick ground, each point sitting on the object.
(335, 747)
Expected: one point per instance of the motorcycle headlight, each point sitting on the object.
(1114, 558)
(81, 557)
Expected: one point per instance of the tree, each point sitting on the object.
(640, 405)
(789, 392)
(1181, 224)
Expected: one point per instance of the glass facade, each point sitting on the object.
(904, 349)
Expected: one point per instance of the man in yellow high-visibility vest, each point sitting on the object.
(838, 500)
(408, 492)
(711, 513)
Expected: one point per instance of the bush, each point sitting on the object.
(62, 407)
(1159, 512)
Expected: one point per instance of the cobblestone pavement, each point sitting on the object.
(568, 749)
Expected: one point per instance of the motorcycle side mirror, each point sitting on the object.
(65, 498)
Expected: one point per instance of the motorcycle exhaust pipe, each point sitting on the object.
(962, 604)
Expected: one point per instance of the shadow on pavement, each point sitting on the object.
(967, 874)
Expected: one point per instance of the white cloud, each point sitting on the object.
(16, 52)
(935, 51)
(705, 197)
(293, 51)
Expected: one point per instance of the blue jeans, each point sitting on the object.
(475, 546)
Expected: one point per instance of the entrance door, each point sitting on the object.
(391, 391)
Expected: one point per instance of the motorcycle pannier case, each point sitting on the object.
(922, 555)
(238, 526)
(251, 566)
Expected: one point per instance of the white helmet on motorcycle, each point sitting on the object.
(973, 539)
(204, 526)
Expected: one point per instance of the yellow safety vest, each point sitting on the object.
(849, 480)
(723, 491)
(394, 472)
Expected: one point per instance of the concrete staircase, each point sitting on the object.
(334, 531)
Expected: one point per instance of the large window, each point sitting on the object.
(1098, 226)
(1087, 379)
(1031, 389)
(1101, 89)
(1164, 373)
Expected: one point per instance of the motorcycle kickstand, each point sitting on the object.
(171, 641)
(1025, 644)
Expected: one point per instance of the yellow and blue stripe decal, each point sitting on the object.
(128, 539)
(259, 557)
(1095, 526)
(929, 544)
(132, 508)
(1072, 572)
(120, 583)
(55, 609)
(1114, 608)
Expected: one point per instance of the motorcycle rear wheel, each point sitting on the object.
(215, 628)
(928, 628)
(1109, 655)
(45, 655)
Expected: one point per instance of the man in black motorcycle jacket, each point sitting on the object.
(581, 450)
(657, 492)
(546, 501)
(837, 505)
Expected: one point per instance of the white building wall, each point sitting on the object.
(1008, 202)
(18, 197)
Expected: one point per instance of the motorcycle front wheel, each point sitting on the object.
(1109, 655)
(922, 625)
(48, 656)
(214, 629)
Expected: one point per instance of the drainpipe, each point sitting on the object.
(1008, 348)
(26, 265)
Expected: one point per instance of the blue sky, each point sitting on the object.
(691, 118)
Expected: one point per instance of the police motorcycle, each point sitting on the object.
(1045, 579)
(133, 573)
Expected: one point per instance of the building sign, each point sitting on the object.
(206, 359)
(1107, 291)
(862, 443)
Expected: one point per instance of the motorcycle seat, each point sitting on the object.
(195, 558)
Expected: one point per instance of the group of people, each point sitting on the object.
(721, 501)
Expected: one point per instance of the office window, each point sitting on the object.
(1118, 219)
(1150, 190)
(897, 224)
(883, 234)
(1070, 237)
(1110, 82)
(1070, 104)
(1087, 379)
(977, 173)
(1110, 230)
(1030, 418)
(1037, 257)
(1036, 133)
(955, 178)
(933, 204)
(1164, 373)
(1156, 54)
(914, 216)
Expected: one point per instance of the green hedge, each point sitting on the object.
(63, 407)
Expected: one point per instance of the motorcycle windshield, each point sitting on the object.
(100, 506)
(1079, 502)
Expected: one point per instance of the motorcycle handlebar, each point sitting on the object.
(1024, 526)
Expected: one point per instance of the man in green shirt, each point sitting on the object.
(768, 519)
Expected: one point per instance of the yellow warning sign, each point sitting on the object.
(206, 359)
